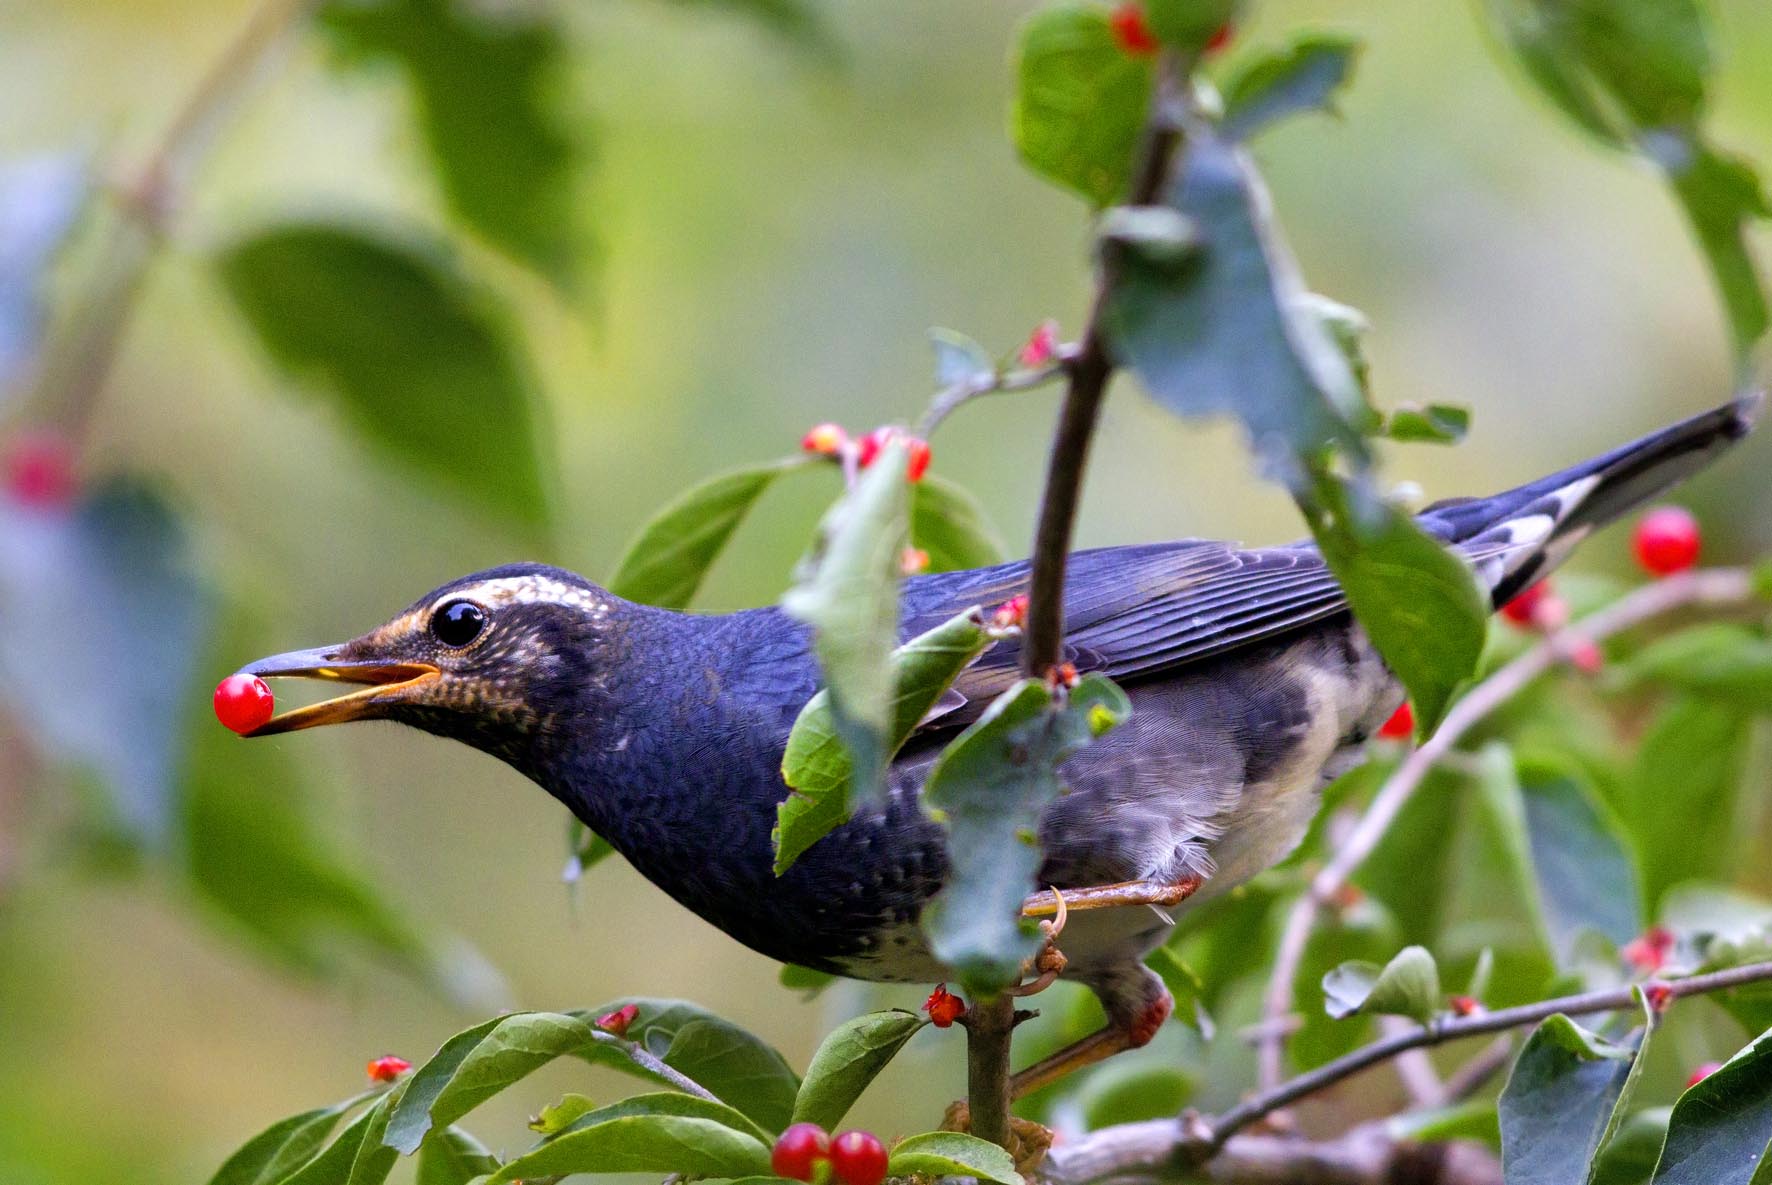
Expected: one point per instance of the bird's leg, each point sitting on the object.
(1047, 902)
(1115, 1038)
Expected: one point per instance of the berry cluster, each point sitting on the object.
(854, 1157)
(830, 440)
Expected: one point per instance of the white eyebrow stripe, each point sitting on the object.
(529, 590)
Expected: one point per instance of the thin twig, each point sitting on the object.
(952, 397)
(652, 1065)
(1719, 586)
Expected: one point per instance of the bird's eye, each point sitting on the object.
(458, 623)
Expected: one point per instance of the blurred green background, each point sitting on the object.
(775, 234)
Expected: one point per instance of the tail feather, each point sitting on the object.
(1517, 537)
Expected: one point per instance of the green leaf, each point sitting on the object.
(1128, 1090)
(666, 562)
(278, 1150)
(949, 524)
(374, 1160)
(805, 980)
(665, 1103)
(452, 1157)
(952, 1154)
(847, 591)
(1230, 332)
(1621, 1107)
(1347, 328)
(1418, 602)
(1080, 101)
(1719, 661)
(415, 357)
(647, 1143)
(357, 1156)
(485, 95)
(730, 1062)
(1429, 423)
(990, 786)
(1186, 987)
(1302, 77)
(557, 1117)
(1364, 932)
(847, 1060)
(1720, 1128)
(41, 199)
(476, 1064)
(818, 767)
(1586, 879)
(1692, 754)
(585, 849)
(105, 597)
(959, 359)
(1629, 1158)
(1558, 1103)
(1409, 985)
(1474, 1120)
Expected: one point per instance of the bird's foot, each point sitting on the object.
(1098, 1046)
(1049, 901)
(1028, 1141)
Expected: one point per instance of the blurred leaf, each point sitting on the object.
(1302, 77)
(959, 359)
(1410, 869)
(585, 849)
(804, 980)
(847, 591)
(104, 599)
(949, 524)
(452, 1157)
(278, 1150)
(1229, 332)
(666, 562)
(1473, 1120)
(799, 22)
(849, 1058)
(1720, 1128)
(952, 1154)
(1408, 985)
(1720, 661)
(1692, 755)
(1558, 1103)
(1080, 101)
(1418, 602)
(730, 1062)
(1347, 328)
(1128, 1090)
(41, 198)
(1186, 988)
(1722, 195)
(486, 86)
(1631, 1155)
(1430, 423)
(647, 1143)
(1190, 24)
(990, 787)
(1585, 877)
(816, 764)
(415, 356)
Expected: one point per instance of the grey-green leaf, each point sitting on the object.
(1585, 876)
(1304, 76)
(1720, 1128)
(414, 356)
(1558, 1103)
(952, 1154)
(1428, 423)
(1409, 985)
(1080, 101)
(646, 1143)
(1720, 661)
(667, 561)
(849, 1058)
(1693, 754)
(452, 1157)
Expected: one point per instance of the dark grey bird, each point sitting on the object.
(1252, 688)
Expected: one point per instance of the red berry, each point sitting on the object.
(1523, 609)
(1465, 1006)
(1648, 951)
(1219, 39)
(1701, 1072)
(824, 440)
(243, 702)
(617, 1022)
(1131, 33)
(1666, 540)
(798, 1150)
(916, 450)
(1013, 612)
(1658, 996)
(1401, 725)
(943, 1007)
(913, 560)
(40, 471)
(1041, 346)
(858, 1158)
(920, 455)
(386, 1069)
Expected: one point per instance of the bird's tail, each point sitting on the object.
(1517, 537)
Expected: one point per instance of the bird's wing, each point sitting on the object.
(1132, 612)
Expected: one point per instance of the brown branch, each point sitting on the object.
(989, 1023)
(1720, 586)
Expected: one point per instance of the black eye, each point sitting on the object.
(458, 623)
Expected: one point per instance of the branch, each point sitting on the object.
(1164, 1147)
(652, 1065)
(1719, 586)
(950, 398)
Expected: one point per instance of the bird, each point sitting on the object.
(1252, 688)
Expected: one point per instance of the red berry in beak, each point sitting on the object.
(943, 1007)
(858, 1158)
(243, 702)
(1131, 33)
(1401, 725)
(386, 1069)
(798, 1150)
(1667, 540)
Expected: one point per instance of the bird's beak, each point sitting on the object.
(385, 683)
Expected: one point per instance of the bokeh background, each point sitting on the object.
(775, 233)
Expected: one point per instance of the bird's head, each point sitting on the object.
(504, 660)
